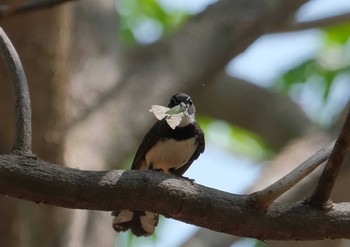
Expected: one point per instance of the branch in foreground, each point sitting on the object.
(42, 182)
(263, 198)
(15, 9)
(23, 139)
(326, 183)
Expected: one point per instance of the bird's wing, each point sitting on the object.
(150, 139)
(200, 149)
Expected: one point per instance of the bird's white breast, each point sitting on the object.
(170, 154)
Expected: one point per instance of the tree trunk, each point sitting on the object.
(41, 39)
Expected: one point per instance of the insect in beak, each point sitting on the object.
(177, 109)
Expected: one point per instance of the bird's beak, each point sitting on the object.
(177, 109)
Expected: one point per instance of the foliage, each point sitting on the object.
(134, 14)
(322, 71)
(332, 60)
(235, 139)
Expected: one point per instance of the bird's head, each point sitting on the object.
(182, 102)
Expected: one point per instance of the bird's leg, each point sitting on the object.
(151, 168)
(191, 180)
(175, 172)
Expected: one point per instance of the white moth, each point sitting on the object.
(172, 116)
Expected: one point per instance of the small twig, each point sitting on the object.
(318, 23)
(262, 199)
(15, 9)
(23, 139)
(321, 195)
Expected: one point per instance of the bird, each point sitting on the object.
(167, 149)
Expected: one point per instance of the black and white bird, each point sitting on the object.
(167, 149)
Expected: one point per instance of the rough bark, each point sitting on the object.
(294, 152)
(32, 179)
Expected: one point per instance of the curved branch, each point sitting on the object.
(265, 197)
(23, 139)
(15, 9)
(231, 98)
(42, 182)
(326, 183)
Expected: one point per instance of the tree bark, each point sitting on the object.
(32, 179)
(293, 153)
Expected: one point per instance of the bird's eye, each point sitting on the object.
(173, 101)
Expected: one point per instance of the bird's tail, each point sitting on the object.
(141, 223)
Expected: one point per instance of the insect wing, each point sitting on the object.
(174, 120)
(159, 111)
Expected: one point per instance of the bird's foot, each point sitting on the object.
(156, 169)
(191, 180)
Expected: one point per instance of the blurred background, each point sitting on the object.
(270, 80)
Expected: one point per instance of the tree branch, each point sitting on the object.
(236, 98)
(326, 183)
(15, 9)
(319, 23)
(263, 198)
(23, 139)
(42, 182)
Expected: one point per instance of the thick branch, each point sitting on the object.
(326, 183)
(42, 182)
(15, 9)
(231, 98)
(23, 139)
(265, 197)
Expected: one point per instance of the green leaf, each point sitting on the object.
(235, 139)
(338, 34)
(296, 75)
